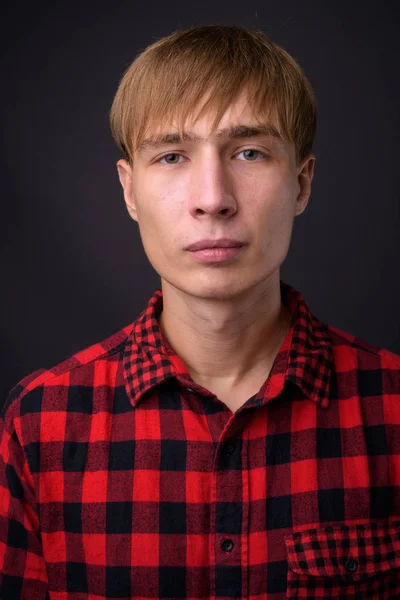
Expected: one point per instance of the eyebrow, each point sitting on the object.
(232, 132)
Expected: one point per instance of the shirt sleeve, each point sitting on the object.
(23, 573)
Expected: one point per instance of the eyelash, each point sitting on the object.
(263, 154)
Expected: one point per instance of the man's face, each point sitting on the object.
(247, 189)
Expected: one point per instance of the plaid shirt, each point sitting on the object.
(120, 477)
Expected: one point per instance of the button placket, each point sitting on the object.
(231, 516)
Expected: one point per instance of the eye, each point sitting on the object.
(251, 154)
(170, 159)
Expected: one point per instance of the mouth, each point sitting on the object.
(217, 254)
(220, 243)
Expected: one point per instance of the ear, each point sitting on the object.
(125, 178)
(304, 176)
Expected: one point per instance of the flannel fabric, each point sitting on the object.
(120, 477)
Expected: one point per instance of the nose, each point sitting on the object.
(212, 188)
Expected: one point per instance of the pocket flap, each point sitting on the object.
(346, 552)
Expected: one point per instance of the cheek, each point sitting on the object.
(163, 199)
(159, 220)
(275, 215)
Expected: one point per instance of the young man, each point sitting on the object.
(226, 444)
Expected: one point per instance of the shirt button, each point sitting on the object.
(190, 389)
(351, 565)
(230, 449)
(227, 545)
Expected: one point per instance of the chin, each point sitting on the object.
(214, 290)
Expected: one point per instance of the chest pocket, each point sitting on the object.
(360, 561)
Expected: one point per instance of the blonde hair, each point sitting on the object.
(168, 81)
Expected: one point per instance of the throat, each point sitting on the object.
(235, 396)
(235, 393)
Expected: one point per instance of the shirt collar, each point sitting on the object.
(305, 357)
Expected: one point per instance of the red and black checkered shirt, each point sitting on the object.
(120, 477)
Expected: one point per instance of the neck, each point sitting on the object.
(225, 341)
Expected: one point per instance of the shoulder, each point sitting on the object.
(77, 369)
(345, 344)
(364, 369)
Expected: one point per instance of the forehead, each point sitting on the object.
(239, 120)
(240, 110)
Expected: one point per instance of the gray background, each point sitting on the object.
(72, 265)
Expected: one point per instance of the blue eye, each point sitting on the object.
(252, 152)
(167, 156)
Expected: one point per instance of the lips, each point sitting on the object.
(221, 243)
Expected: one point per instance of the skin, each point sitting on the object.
(225, 320)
